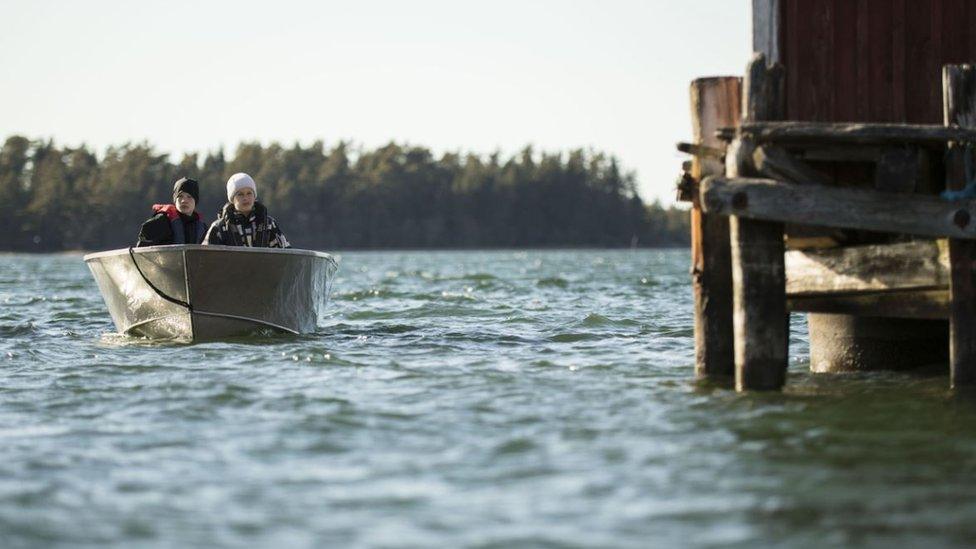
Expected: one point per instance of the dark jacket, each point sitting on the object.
(257, 230)
(169, 226)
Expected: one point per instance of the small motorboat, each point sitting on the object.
(210, 292)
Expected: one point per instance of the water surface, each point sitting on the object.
(458, 399)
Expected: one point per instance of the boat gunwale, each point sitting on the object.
(210, 248)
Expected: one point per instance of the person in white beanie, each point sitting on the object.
(244, 221)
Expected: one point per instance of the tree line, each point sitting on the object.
(343, 197)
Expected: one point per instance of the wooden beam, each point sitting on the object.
(715, 102)
(901, 280)
(928, 304)
(829, 133)
(839, 207)
(841, 153)
(918, 265)
(701, 150)
(959, 110)
(774, 162)
(760, 318)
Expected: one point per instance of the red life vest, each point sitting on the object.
(171, 211)
(177, 224)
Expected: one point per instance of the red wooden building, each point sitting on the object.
(865, 60)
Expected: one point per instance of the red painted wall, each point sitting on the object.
(872, 60)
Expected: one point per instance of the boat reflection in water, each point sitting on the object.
(211, 292)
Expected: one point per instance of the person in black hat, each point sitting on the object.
(176, 223)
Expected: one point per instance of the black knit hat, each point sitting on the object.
(188, 186)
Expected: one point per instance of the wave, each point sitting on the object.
(19, 329)
(552, 282)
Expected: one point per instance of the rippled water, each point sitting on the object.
(458, 399)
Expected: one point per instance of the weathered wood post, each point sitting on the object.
(959, 109)
(760, 320)
(715, 103)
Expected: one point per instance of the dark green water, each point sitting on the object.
(458, 399)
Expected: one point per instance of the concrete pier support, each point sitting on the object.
(844, 343)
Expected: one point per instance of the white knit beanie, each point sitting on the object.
(237, 182)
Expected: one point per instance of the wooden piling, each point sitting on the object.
(715, 103)
(959, 109)
(760, 318)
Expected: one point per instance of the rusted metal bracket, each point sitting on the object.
(686, 187)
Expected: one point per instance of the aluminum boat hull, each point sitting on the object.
(212, 292)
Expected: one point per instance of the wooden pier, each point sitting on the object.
(843, 214)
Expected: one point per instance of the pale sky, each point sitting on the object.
(463, 76)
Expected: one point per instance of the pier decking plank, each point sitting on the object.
(919, 265)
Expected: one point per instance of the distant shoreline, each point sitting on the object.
(392, 197)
